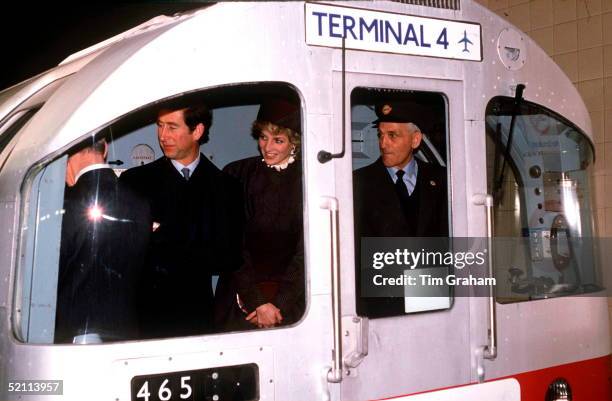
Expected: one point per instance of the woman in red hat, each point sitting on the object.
(269, 287)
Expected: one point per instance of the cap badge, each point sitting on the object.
(386, 109)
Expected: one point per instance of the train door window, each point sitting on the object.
(120, 242)
(538, 172)
(400, 199)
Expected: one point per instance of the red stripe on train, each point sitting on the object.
(589, 380)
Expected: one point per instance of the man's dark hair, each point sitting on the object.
(95, 146)
(98, 146)
(194, 114)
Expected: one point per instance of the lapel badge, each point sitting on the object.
(432, 183)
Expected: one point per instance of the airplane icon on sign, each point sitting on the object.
(465, 42)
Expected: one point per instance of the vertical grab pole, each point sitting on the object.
(334, 375)
(490, 351)
(324, 156)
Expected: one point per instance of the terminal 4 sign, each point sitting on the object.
(379, 31)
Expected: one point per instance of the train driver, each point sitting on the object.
(398, 195)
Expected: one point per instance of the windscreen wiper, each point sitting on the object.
(498, 189)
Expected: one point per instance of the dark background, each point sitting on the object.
(35, 37)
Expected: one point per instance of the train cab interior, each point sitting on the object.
(538, 172)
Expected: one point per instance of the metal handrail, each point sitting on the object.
(490, 351)
(334, 375)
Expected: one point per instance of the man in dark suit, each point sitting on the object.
(197, 230)
(397, 195)
(105, 232)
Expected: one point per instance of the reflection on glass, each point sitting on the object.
(543, 216)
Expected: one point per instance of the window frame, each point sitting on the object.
(27, 210)
(443, 124)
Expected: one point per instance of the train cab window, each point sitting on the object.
(400, 198)
(538, 173)
(181, 218)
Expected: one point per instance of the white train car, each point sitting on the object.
(544, 335)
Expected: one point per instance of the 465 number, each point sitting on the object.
(164, 393)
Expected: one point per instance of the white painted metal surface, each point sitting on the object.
(500, 390)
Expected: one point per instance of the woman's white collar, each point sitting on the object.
(280, 166)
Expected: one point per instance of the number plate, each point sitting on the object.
(228, 383)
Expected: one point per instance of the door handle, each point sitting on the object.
(360, 333)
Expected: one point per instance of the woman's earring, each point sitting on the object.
(292, 151)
